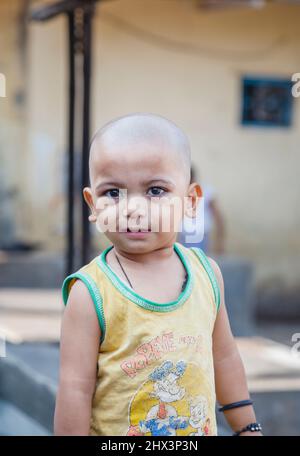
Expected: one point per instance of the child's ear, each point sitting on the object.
(194, 193)
(88, 197)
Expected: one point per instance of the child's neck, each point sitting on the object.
(148, 258)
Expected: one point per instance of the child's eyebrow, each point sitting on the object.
(111, 183)
(148, 182)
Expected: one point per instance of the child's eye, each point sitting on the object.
(157, 191)
(112, 193)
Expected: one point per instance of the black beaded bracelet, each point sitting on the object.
(252, 427)
(235, 405)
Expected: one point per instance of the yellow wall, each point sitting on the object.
(13, 116)
(171, 58)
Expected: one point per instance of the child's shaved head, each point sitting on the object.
(140, 169)
(144, 128)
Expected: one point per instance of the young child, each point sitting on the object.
(146, 345)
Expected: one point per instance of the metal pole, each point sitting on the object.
(79, 42)
(70, 203)
(87, 39)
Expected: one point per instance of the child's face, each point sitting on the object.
(139, 186)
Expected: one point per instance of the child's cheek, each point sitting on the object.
(106, 215)
(171, 214)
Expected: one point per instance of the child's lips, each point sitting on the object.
(138, 233)
(137, 230)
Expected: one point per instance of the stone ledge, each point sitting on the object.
(32, 393)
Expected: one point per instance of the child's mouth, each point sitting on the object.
(138, 233)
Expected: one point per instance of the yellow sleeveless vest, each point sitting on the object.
(155, 372)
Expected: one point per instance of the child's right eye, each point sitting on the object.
(114, 193)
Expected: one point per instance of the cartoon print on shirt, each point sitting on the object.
(163, 419)
(198, 418)
(166, 404)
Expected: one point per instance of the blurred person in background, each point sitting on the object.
(192, 232)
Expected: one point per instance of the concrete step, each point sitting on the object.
(32, 270)
(30, 314)
(13, 422)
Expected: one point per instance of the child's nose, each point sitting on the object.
(136, 205)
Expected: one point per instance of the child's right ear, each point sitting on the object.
(88, 197)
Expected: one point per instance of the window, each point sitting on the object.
(267, 102)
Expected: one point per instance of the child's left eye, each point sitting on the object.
(157, 189)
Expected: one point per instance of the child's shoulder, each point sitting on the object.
(77, 294)
(219, 278)
(216, 269)
(211, 267)
(82, 286)
(75, 309)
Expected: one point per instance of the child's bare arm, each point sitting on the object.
(79, 347)
(230, 377)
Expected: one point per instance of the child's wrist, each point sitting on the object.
(252, 434)
(249, 429)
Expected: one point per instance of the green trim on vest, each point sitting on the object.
(95, 295)
(211, 274)
(129, 293)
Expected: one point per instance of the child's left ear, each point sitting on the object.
(88, 197)
(194, 193)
